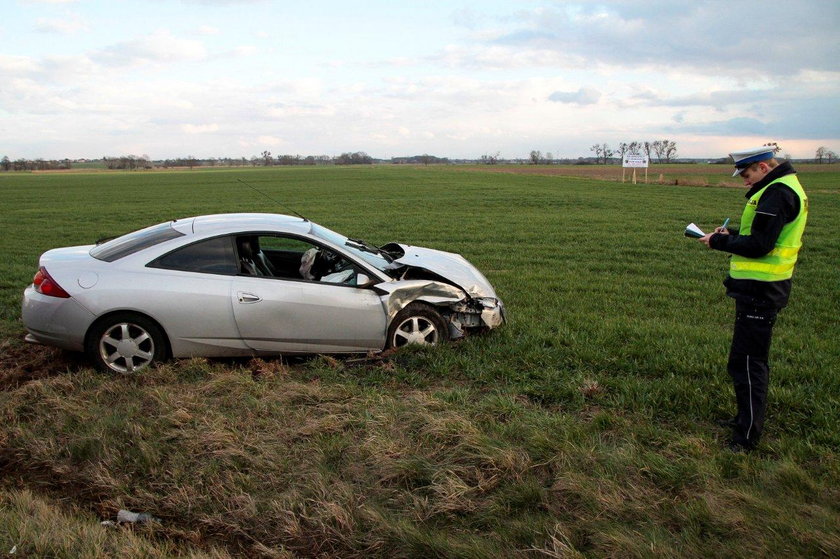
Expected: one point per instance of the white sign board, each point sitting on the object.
(636, 161)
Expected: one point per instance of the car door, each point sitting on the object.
(286, 314)
(188, 292)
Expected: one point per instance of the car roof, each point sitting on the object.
(216, 224)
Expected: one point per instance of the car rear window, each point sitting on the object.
(134, 242)
(213, 256)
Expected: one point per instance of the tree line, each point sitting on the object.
(665, 151)
(825, 155)
(7, 164)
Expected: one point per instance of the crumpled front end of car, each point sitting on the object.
(461, 310)
(475, 314)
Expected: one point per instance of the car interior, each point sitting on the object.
(278, 257)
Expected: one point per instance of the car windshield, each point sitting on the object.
(134, 242)
(357, 248)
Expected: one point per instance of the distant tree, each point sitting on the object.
(490, 158)
(357, 158)
(603, 153)
(670, 151)
(634, 148)
(665, 150)
(549, 158)
(658, 147)
(623, 148)
(536, 157)
(596, 149)
(267, 160)
(647, 147)
(775, 146)
(289, 160)
(830, 157)
(822, 151)
(6, 163)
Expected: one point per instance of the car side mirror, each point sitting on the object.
(363, 280)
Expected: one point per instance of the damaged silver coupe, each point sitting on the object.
(249, 284)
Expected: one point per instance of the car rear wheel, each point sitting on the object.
(417, 324)
(126, 343)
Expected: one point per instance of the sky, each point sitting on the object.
(451, 78)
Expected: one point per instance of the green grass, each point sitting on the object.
(585, 427)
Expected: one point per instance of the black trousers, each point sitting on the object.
(749, 369)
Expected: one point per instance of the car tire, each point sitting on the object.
(419, 324)
(125, 343)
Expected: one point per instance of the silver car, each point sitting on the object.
(249, 284)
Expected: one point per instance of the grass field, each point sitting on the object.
(583, 428)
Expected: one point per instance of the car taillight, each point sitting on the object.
(45, 285)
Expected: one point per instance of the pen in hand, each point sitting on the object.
(725, 223)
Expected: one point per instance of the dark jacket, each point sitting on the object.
(777, 206)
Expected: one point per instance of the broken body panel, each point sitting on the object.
(445, 280)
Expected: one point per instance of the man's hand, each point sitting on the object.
(706, 239)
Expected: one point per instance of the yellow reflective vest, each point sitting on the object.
(778, 264)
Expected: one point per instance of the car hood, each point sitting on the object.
(448, 265)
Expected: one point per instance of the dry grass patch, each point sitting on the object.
(267, 460)
(34, 525)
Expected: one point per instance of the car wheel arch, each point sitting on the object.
(424, 310)
(128, 314)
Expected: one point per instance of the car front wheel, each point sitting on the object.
(126, 343)
(417, 324)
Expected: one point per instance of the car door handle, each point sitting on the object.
(248, 297)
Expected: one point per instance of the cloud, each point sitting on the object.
(706, 36)
(15, 65)
(64, 26)
(502, 57)
(271, 141)
(583, 96)
(158, 47)
(245, 50)
(223, 2)
(199, 128)
(739, 126)
(283, 110)
(208, 30)
(468, 17)
(508, 77)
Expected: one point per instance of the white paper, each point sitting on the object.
(691, 230)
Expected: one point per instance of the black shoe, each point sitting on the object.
(729, 423)
(738, 448)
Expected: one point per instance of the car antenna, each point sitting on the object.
(272, 199)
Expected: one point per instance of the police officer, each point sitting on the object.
(764, 253)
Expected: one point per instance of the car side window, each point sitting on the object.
(278, 256)
(212, 256)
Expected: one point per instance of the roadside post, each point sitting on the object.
(634, 161)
